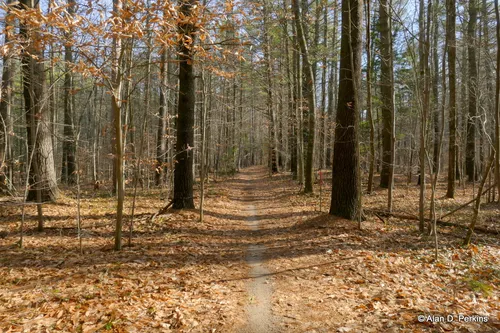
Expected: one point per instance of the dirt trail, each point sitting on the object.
(260, 290)
(260, 317)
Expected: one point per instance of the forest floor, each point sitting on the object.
(266, 259)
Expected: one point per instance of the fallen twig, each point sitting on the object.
(381, 213)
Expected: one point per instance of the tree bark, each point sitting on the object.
(5, 111)
(273, 154)
(68, 170)
(311, 98)
(116, 106)
(452, 77)
(183, 172)
(386, 92)
(387, 97)
(424, 88)
(497, 103)
(42, 174)
(161, 141)
(470, 153)
(345, 191)
(435, 87)
(369, 96)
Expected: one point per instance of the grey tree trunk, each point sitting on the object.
(5, 113)
(273, 155)
(497, 103)
(42, 174)
(311, 98)
(116, 103)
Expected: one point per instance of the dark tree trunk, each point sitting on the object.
(386, 92)
(161, 141)
(68, 170)
(345, 173)
(435, 87)
(292, 126)
(369, 97)
(387, 97)
(183, 173)
(42, 174)
(452, 77)
(472, 82)
(5, 113)
(116, 106)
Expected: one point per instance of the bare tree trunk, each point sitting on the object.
(203, 143)
(298, 108)
(269, 92)
(116, 102)
(477, 205)
(324, 114)
(183, 175)
(369, 96)
(311, 98)
(292, 114)
(387, 97)
(345, 173)
(472, 81)
(43, 182)
(424, 87)
(68, 169)
(451, 49)
(5, 112)
(435, 87)
(437, 162)
(497, 103)
(161, 141)
(332, 90)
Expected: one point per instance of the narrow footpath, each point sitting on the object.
(260, 290)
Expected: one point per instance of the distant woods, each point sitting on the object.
(115, 94)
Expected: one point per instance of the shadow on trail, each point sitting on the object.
(219, 247)
(177, 245)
